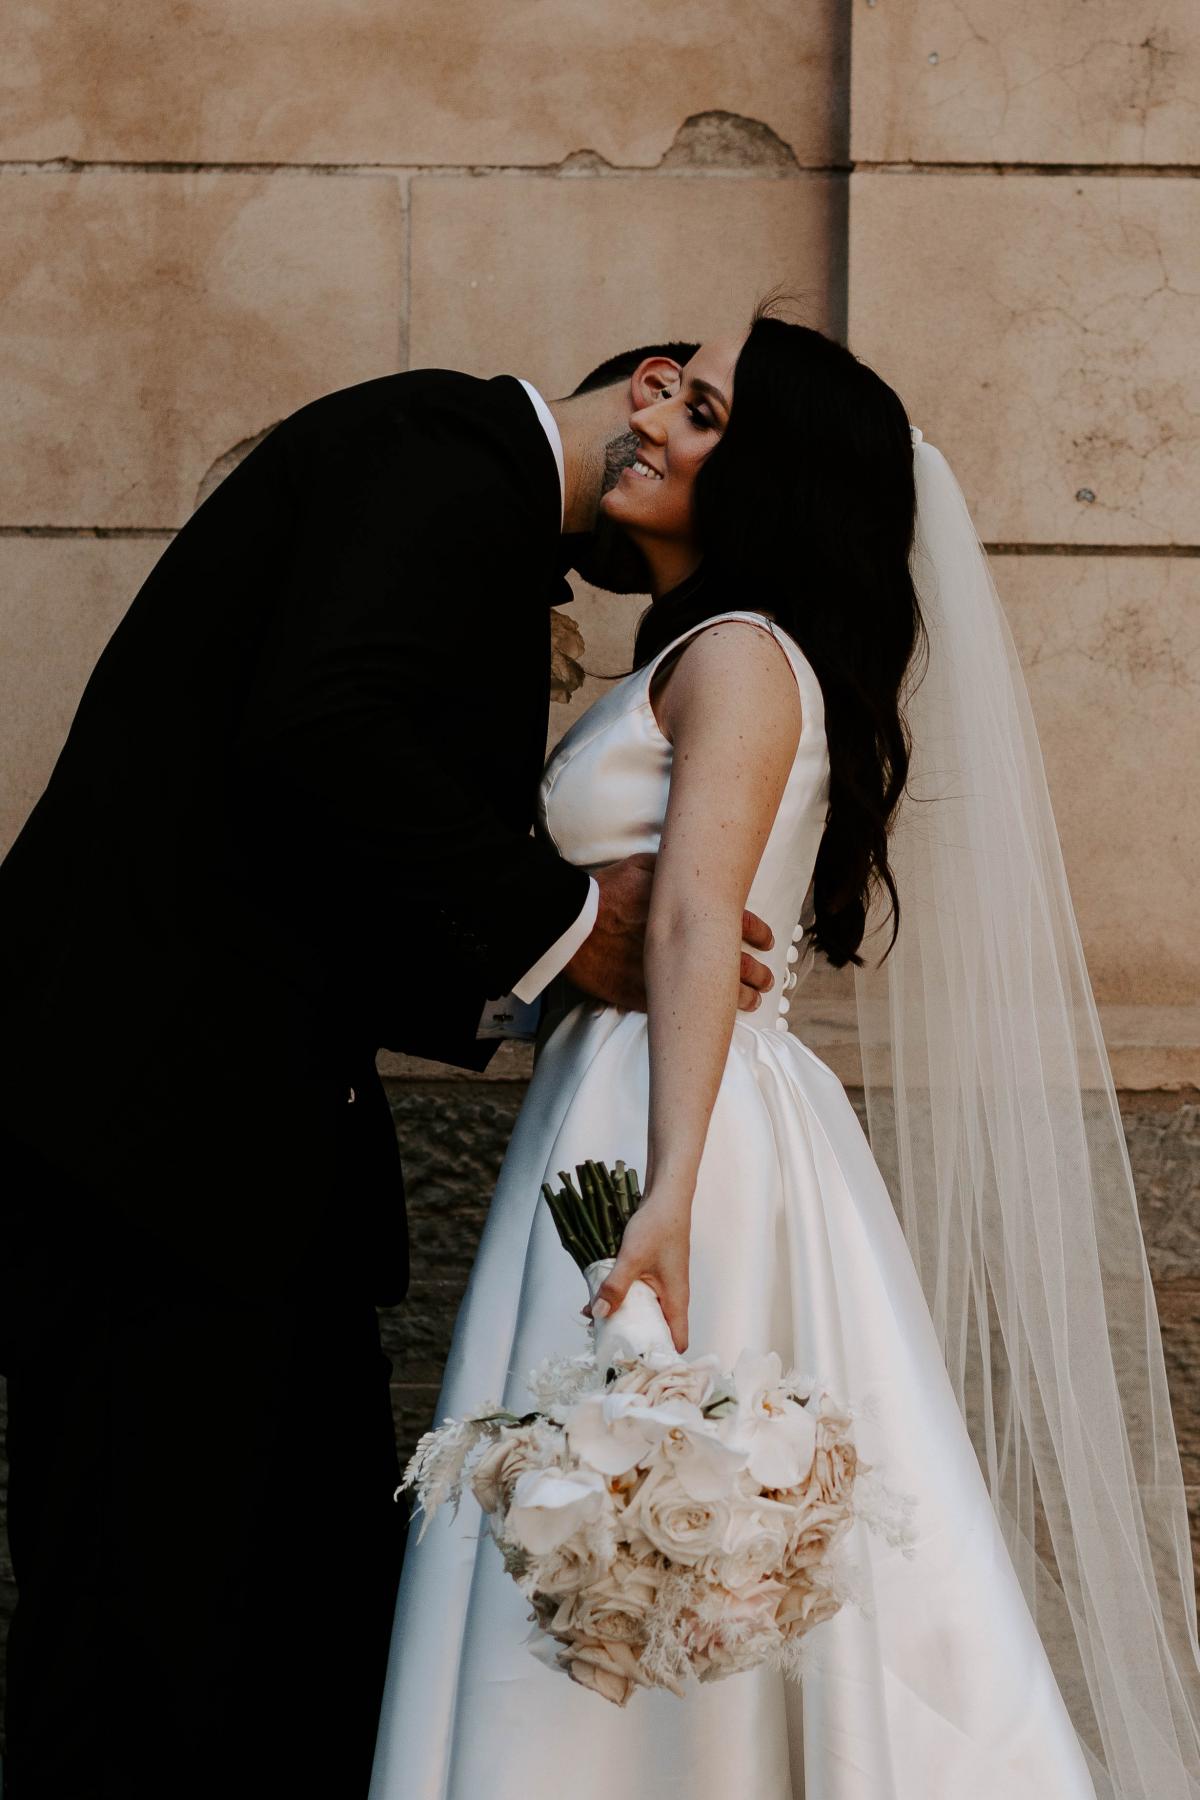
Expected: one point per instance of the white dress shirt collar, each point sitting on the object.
(550, 427)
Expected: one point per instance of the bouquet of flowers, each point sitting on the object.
(664, 1517)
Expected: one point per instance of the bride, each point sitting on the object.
(821, 609)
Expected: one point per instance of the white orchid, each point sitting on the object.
(616, 1432)
(550, 1505)
(704, 1464)
(778, 1435)
(612, 1432)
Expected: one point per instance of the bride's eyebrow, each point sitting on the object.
(706, 387)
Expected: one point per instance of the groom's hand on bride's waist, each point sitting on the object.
(609, 963)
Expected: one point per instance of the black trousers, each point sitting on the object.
(201, 1515)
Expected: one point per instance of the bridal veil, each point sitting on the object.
(992, 1111)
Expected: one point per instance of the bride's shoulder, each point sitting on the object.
(732, 668)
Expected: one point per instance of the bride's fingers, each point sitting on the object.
(614, 1290)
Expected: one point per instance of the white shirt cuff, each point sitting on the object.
(562, 950)
(509, 1017)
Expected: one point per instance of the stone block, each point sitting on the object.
(413, 1411)
(1093, 81)
(1164, 1153)
(60, 600)
(547, 278)
(156, 321)
(1110, 646)
(1041, 333)
(1179, 1317)
(431, 81)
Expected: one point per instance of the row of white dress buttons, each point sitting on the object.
(790, 979)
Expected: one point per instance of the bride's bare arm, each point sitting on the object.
(732, 712)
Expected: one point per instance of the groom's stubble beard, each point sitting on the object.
(605, 556)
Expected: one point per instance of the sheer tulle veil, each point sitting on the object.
(992, 1111)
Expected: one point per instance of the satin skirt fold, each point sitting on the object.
(936, 1688)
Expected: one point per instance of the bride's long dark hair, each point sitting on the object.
(806, 509)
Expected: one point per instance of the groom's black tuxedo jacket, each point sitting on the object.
(291, 823)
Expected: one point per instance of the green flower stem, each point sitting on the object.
(590, 1219)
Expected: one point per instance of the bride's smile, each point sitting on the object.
(653, 501)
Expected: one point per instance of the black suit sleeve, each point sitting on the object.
(365, 786)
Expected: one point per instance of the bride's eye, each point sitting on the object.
(699, 417)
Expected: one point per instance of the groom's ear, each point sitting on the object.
(656, 378)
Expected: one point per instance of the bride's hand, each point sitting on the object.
(654, 1249)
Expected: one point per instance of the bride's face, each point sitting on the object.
(653, 500)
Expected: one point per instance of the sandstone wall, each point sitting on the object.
(214, 212)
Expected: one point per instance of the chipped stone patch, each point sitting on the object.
(725, 140)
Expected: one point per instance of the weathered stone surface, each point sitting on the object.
(1106, 81)
(1110, 647)
(225, 464)
(453, 1141)
(548, 278)
(155, 321)
(725, 140)
(1179, 1315)
(60, 599)
(1041, 334)
(1153, 1048)
(1164, 1150)
(432, 81)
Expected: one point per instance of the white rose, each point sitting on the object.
(737, 1635)
(610, 1669)
(674, 1522)
(834, 1467)
(551, 1505)
(755, 1545)
(814, 1530)
(617, 1606)
(803, 1605)
(577, 1564)
(495, 1474)
(657, 1379)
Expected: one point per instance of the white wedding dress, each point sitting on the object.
(940, 1689)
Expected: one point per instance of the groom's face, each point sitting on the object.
(606, 556)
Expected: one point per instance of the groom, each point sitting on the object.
(266, 851)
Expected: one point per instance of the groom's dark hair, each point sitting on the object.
(620, 368)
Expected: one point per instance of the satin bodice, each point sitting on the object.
(604, 795)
